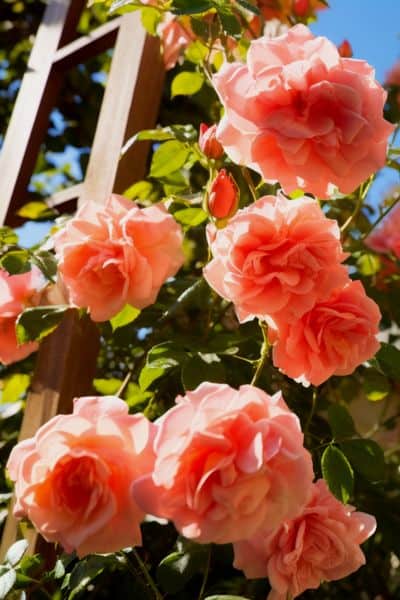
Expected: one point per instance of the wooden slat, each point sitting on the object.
(131, 102)
(87, 46)
(65, 365)
(36, 98)
(64, 196)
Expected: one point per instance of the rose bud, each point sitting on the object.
(208, 142)
(345, 50)
(301, 7)
(223, 199)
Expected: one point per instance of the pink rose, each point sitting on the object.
(300, 114)
(276, 257)
(118, 254)
(73, 478)
(333, 338)
(16, 292)
(386, 238)
(227, 462)
(321, 544)
(175, 38)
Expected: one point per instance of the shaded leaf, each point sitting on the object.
(199, 368)
(337, 472)
(367, 457)
(340, 421)
(36, 323)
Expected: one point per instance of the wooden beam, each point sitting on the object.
(36, 98)
(65, 365)
(87, 46)
(130, 103)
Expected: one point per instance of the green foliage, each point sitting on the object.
(338, 473)
(37, 322)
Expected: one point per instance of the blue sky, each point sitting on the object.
(373, 29)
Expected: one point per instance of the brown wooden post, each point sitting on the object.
(66, 361)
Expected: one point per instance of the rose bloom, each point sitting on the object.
(333, 338)
(116, 254)
(284, 9)
(300, 114)
(322, 544)
(227, 462)
(386, 238)
(276, 257)
(73, 478)
(208, 143)
(16, 293)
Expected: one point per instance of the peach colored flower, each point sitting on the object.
(73, 478)
(300, 114)
(227, 462)
(321, 544)
(116, 254)
(175, 37)
(276, 257)
(333, 338)
(16, 293)
(386, 237)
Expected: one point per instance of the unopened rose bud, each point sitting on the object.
(223, 198)
(208, 142)
(345, 50)
(301, 7)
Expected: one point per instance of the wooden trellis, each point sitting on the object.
(66, 360)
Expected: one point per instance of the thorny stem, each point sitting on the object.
(124, 384)
(360, 201)
(379, 219)
(205, 576)
(250, 183)
(263, 355)
(312, 411)
(146, 574)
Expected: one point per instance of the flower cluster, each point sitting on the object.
(280, 260)
(224, 465)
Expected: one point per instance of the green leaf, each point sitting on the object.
(160, 360)
(340, 421)
(7, 580)
(46, 262)
(85, 571)
(16, 552)
(151, 18)
(376, 386)
(368, 264)
(135, 396)
(191, 217)
(143, 190)
(15, 387)
(8, 237)
(187, 83)
(202, 367)
(36, 323)
(196, 52)
(176, 569)
(191, 7)
(230, 24)
(125, 316)
(367, 457)
(388, 359)
(15, 262)
(107, 387)
(337, 472)
(169, 157)
(247, 6)
(36, 210)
